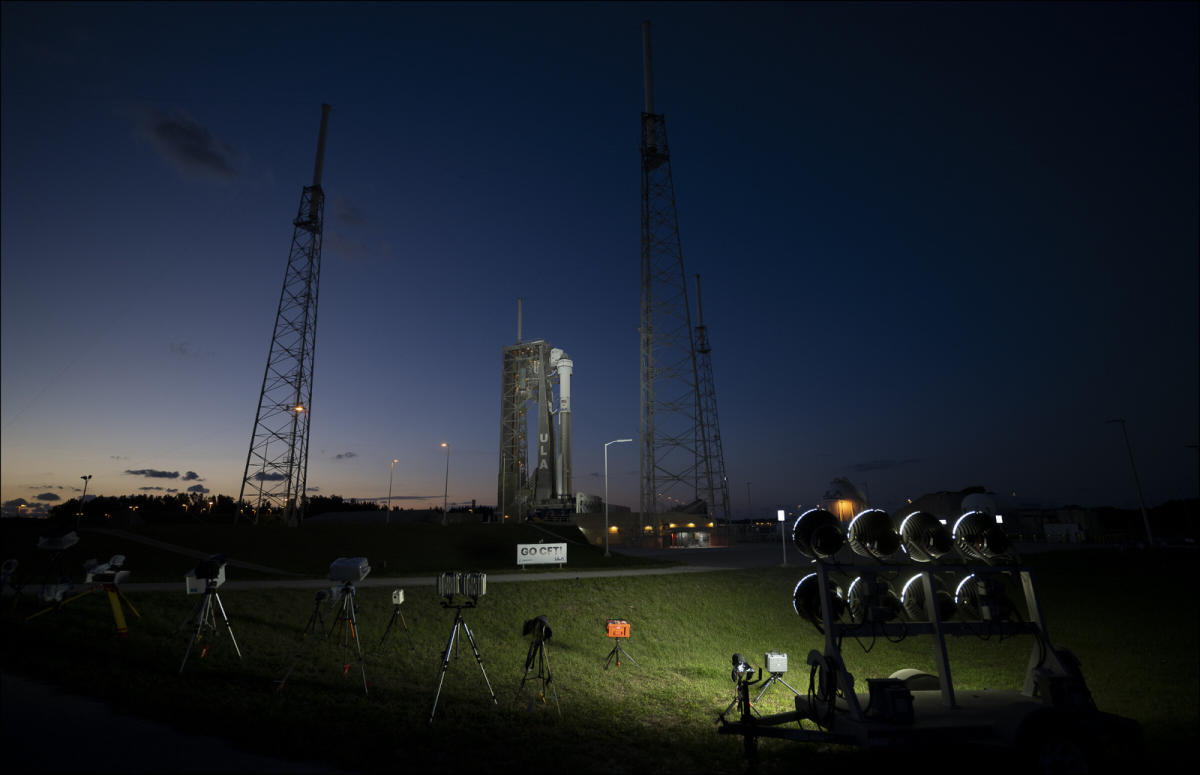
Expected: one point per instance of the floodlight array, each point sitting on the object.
(861, 595)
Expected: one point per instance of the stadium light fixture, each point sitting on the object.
(817, 534)
(925, 538)
(871, 534)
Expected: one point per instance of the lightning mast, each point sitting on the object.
(275, 477)
(674, 462)
(718, 483)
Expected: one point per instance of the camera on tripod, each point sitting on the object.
(742, 671)
(452, 583)
(106, 573)
(397, 597)
(349, 570)
(210, 573)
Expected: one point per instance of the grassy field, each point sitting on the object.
(1129, 617)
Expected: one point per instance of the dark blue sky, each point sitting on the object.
(941, 244)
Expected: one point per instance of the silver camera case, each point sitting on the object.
(775, 662)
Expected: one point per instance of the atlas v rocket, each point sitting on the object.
(530, 371)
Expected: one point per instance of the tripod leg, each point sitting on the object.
(225, 618)
(479, 659)
(362, 667)
(766, 686)
(386, 630)
(545, 662)
(788, 685)
(114, 602)
(311, 628)
(445, 665)
(407, 631)
(199, 613)
(616, 652)
(626, 653)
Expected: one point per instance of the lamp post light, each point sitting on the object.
(82, 498)
(446, 485)
(387, 517)
(614, 441)
(782, 541)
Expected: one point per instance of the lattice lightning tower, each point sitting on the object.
(718, 482)
(674, 464)
(275, 478)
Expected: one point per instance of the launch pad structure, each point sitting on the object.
(682, 461)
(529, 373)
(276, 473)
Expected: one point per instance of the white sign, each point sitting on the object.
(541, 554)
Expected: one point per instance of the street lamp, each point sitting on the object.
(446, 485)
(82, 498)
(614, 441)
(782, 541)
(387, 517)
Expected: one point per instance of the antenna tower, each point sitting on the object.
(718, 482)
(275, 478)
(675, 466)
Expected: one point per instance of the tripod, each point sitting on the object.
(774, 678)
(398, 614)
(617, 652)
(741, 696)
(205, 618)
(348, 629)
(452, 644)
(540, 656)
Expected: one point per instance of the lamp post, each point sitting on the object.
(446, 485)
(1136, 480)
(614, 441)
(782, 540)
(82, 498)
(387, 518)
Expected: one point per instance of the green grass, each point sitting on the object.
(1138, 654)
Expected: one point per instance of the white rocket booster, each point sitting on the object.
(565, 366)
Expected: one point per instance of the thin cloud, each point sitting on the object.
(152, 473)
(353, 250)
(345, 455)
(47, 496)
(265, 477)
(191, 148)
(198, 488)
(191, 476)
(348, 214)
(150, 489)
(185, 349)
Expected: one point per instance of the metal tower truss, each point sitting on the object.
(718, 482)
(674, 463)
(274, 483)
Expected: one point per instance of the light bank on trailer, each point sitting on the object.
(1051, 723)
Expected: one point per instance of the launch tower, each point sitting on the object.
(676, 463)
(275, 477)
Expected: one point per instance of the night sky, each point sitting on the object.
(940, 244)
